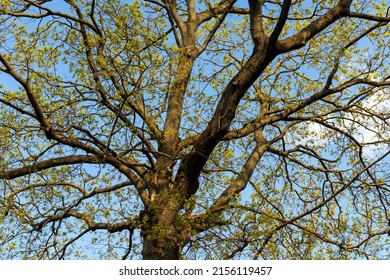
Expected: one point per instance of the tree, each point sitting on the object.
(194, 129)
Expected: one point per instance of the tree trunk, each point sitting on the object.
(164, 231)
(161, 245)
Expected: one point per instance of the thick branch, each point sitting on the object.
(47, 164)
(239, 184)
(174, 16)
(218, 9)
(281, 22)
(370, 17)
(256, 21)
(246, 172)
(301, 38)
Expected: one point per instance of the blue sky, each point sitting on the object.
(316, 137)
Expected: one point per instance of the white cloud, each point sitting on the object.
(367, 124)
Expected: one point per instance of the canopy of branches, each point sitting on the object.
(198, 129)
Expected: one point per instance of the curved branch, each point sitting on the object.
(241, 181)
(31, 97)
(216, 26)
(50, 12)
(281, 22)
(47, 164)
(92, 225)
(301, 38)
(385, 19)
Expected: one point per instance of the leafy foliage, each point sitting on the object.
(194, 129)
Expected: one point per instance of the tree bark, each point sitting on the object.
(164, 230)
(162, 241)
